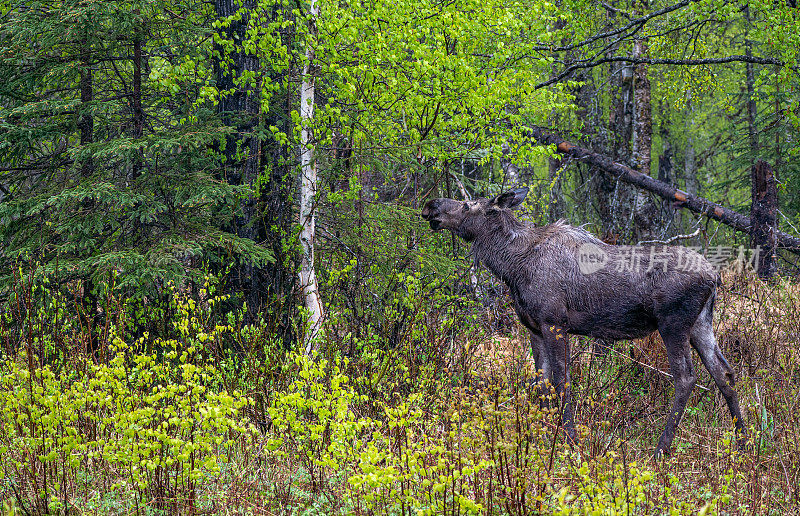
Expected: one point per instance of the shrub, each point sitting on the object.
(152, 421)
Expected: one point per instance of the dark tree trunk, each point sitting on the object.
(645, 212)
(643, 120)
(591, 114)
(690, 157)
(239, 100)
(239, 108)
(617, 197)
(556, 209)
(665, 169)
(239, 103)
(621, 116)
(764, 218)
(86, 128)
(266, 218)
(665, 165)
(280, 280)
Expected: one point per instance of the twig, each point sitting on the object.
(644, 365)
(331, 236)
(464, 194)
(615, 10)
(788, 221)
(672, 239)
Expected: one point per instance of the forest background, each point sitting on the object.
(217, 295)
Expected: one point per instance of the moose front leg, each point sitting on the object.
(541, 357)
(557, 343)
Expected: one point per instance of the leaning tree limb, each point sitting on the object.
(680, 198)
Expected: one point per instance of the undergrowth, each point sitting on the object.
(427, 414)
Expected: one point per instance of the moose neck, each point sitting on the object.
(502, 244)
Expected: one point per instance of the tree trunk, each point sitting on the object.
(689, 161)
(619, 197)
(764, 218)
(240, 107)
(86, 127)
(665, 170)
(510, 169)
(308, 190)
(621, 121)
(556, 208)
(645, 211)
(665, 164)
(591, 116)
(643, 121)
(689, 158)
(280, 278)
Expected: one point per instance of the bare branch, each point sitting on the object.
(636, 23)
(668, 241)
(676, 62)
(464, 194)
(615, 10)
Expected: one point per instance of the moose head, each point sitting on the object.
(468, 219)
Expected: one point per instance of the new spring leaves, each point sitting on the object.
(593, 258)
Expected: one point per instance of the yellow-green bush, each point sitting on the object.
(480, 451)
(154, 424)
(314, 419)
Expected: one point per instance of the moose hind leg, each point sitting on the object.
(703, 341)
(680, 363)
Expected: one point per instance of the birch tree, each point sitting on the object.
(308, 187)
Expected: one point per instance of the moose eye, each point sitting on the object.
(465, 208)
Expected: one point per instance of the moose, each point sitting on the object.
(563, 280)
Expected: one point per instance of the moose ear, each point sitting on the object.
(510, 199)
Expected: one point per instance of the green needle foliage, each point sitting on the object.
(108, 144)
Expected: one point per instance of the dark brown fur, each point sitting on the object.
(556, 292)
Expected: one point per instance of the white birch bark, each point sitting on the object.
(308, 191)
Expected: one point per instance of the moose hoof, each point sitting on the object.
(662, 453)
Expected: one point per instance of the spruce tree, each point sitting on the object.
(108, 145)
